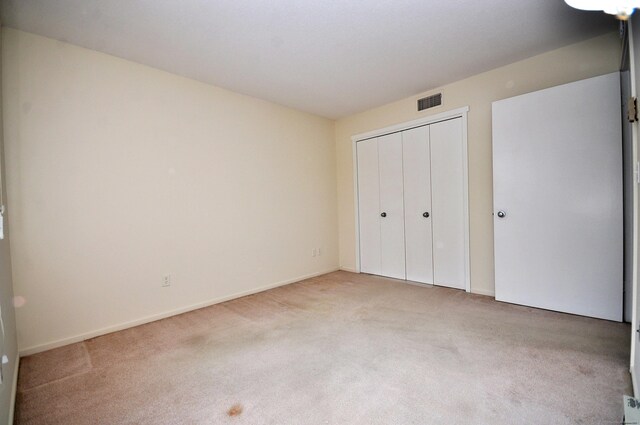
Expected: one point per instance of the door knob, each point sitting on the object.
(425, 214)
(502, 214)
(384, 214)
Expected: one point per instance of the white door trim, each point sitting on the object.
(634, 144)
(456, 113)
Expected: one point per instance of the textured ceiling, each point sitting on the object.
(328, 57)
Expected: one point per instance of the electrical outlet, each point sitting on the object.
(166, 280)
(319, 252)
(313, 252)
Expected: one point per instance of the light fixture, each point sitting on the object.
(621, 8)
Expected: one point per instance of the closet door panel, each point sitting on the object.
(392, 247)
(369, 206)
(447, 197)
(417, 204)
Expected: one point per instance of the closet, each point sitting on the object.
(411, 194)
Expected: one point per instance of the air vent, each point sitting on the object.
(430, 102)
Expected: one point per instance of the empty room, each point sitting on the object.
(319, 212)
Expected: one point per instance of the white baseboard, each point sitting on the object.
(349, 269)
(486, 292)
(14, 389)
(92, 334)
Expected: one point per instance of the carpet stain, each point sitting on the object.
(449, 348)
(586, 371)
(196, 340)
(515, 397)
(235, 410)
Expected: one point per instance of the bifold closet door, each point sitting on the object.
(381, 210)
(369, 206)
(417, 204)
(447, 203)
(392, 254)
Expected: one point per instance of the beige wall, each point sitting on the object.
(587, 59)
(119, 174)
(8, 343)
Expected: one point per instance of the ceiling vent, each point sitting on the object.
(430, 102)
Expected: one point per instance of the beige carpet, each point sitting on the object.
(339, 349)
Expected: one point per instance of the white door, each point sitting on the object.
(417, 204)
(369, 205)
(392, 258)
(447, 203)
(557, 178)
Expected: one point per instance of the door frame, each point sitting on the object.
(431, 119)
(636, 211)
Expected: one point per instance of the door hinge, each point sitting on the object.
(636, 172)
(632, 109)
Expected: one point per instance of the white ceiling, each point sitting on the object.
(328, 57)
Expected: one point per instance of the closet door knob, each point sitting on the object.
(425, 215)
(502, 214)
(384, 214)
